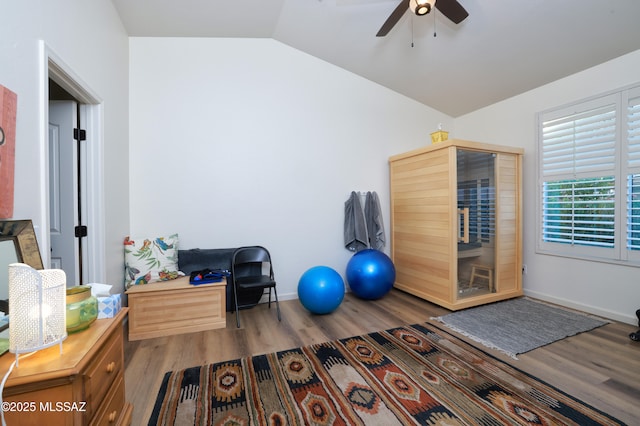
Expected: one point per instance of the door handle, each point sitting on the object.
(463, 215)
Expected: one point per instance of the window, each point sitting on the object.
(480, 199)
(590, 178)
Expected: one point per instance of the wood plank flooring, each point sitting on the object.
(601, 367)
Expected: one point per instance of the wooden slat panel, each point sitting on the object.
(420, 205)
(508, 244)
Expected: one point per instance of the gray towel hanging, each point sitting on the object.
(355, 226)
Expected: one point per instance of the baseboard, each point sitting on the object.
(616, 316)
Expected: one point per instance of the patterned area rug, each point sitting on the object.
(415, 374)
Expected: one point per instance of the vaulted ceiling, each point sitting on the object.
(504, 47)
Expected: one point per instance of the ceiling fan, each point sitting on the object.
(449, 8)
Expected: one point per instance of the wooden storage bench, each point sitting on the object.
(175, 307)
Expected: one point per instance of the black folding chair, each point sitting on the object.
(248, 269)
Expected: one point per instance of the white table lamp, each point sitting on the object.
(36, 307)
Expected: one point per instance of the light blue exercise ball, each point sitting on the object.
(370, 274)
(321, 289)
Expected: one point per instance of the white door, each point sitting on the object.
(63, 189)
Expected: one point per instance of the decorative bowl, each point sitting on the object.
(82, 308)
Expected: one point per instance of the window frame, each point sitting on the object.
(619, 254)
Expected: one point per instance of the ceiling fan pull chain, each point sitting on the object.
(411, 31)
(434, 23)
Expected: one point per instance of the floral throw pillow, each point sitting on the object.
(148, 260)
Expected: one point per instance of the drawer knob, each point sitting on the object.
(112, 417)
(111, 366)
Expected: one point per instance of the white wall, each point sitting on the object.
(248, 141)
(600, 288)
(89, 38)
(210, 117)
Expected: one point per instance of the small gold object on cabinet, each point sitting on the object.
(439, 136)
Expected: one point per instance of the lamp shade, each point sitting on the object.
(37, 308)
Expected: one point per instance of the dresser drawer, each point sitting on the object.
(110, 413)
(103, 371)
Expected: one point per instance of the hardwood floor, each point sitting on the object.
(601, 367)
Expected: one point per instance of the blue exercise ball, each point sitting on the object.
(370, 274)
(321, 289)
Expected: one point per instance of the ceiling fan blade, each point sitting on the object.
(393, 19)
(452, 10)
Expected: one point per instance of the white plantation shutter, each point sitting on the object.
(578, 152)
(580, 212)
(633, 170)
(633, 132)
(580, 142)
(589, 170)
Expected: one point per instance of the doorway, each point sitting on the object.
(74, 177)
(66, 189)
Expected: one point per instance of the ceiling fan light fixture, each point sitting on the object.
(421, 7)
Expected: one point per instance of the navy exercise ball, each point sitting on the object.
(321, 289)
(370, 274)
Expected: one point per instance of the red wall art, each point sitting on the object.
(8, 104)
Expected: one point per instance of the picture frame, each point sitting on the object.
(18, 244)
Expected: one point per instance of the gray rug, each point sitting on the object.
(519, 325)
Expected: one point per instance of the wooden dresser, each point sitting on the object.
(83, 386)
